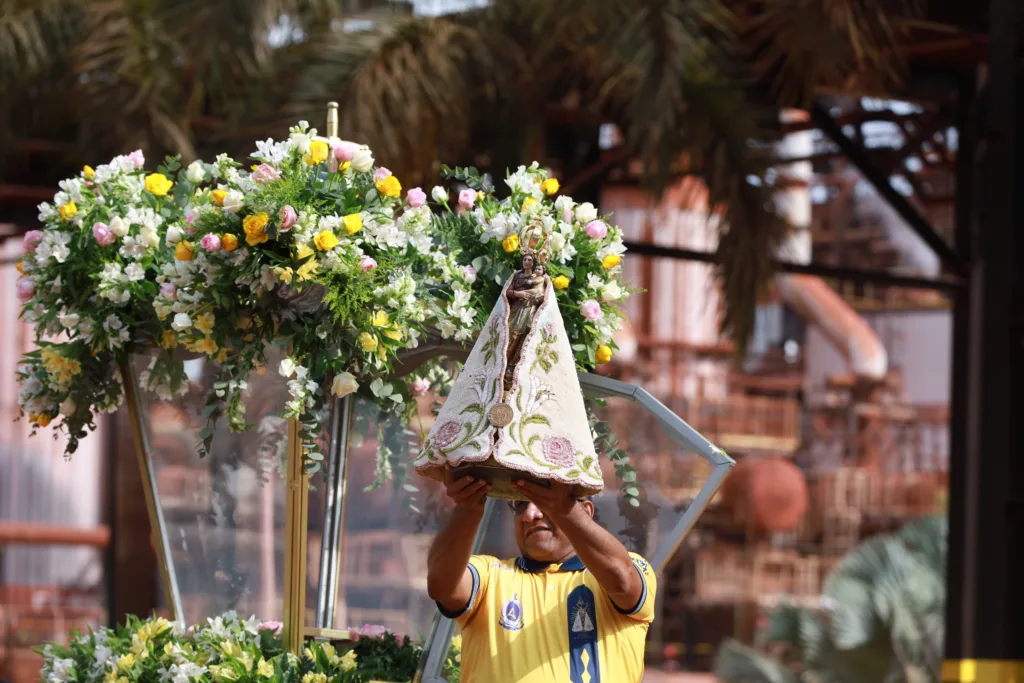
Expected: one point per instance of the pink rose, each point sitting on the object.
(344, 151)
(372, 631)
(32, 238)
(137, 158)
(367, 263)
(416, 197)
(420, 386)
(591, 310)
(596, 229)
(287, 217)
(168, 290)
(265, 174)
(102, 234)
(559, 450)
(191, 215)
(274, 626)
(210, 242)
(567, 215)
(26, 287)
(469, 274)
(467, 198)
(381, 173)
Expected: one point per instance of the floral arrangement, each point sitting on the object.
(229, 648)
(313, 250)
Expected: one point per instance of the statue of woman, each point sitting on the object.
(525, 295)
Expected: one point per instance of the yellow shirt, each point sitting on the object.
(530, 622)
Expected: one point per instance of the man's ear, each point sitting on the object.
(588, 505)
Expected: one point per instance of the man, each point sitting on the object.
(574, 607)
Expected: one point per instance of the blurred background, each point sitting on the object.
(799, 184)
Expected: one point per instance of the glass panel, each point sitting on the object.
(224, 513)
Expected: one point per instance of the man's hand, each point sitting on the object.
(555, 502)
(466, 492)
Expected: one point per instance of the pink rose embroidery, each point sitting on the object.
(447, 434)
(558, 450)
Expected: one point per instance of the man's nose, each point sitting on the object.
(532, 512)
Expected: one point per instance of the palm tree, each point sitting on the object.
(692, 84)
(884, 619)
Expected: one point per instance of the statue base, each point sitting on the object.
(499, 477)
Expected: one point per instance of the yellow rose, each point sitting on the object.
(550, 186)
(218, 197)
(368, 342)
(325, 241)
(88, 172)
(255, 227)
(603, 354)
(208, 346)
(204, 323)
(353, 223)
(68, 211)
(229, 242)
(610, 261)
(43, 419)
(168, 339)
(284, 274)
(158, 184)
(317, 153)
(389, 187)
(380, 319)
(510, 243)
(529, 201)
(560, 282)
(183, 251)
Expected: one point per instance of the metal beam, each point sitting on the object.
(875, 277)
(859, 157)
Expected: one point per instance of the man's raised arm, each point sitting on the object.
(449, 580)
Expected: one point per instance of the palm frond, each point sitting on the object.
(801, 46)
(737, 663)
(33, 36)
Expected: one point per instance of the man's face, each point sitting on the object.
(538, 537)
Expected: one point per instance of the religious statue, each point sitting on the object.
(516, 410)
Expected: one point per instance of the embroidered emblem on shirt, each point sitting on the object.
(512, 614)
(583, 621)
(640, 564)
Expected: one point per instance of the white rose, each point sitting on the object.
(69, 320)
(195, 172)
(439, 194)
(564, 203)
(68, 408)
(118, 226)
(286, 368)
(557, 242)
(586, 212)
(149, 236)
(344, 384)
(173, 235)
(611, 292)
(233, 201)
(181, 322)
(362, 159)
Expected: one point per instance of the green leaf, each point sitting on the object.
(632, 491)
(206, 433)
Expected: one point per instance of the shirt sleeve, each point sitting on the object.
(643, 611)
(480, 570)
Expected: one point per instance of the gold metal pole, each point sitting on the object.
(168, 576)
(296, 516)
(332, 119)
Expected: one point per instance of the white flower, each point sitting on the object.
(557, 242)
(112, 323)
(195, 172)
(149, 236)
(438, 193)
(174, 235)
(611, 292)
(586, 212)
(286, 368)
(46, 211)
(233, 201)
(300, 141)
(62, 669)
(564, 203)
(132, 248)
(69, 320)
(134, 272)
(118, 226)
(61, 198)
(362, 159)
(181, 322)
(68, 408)
(344, 384)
